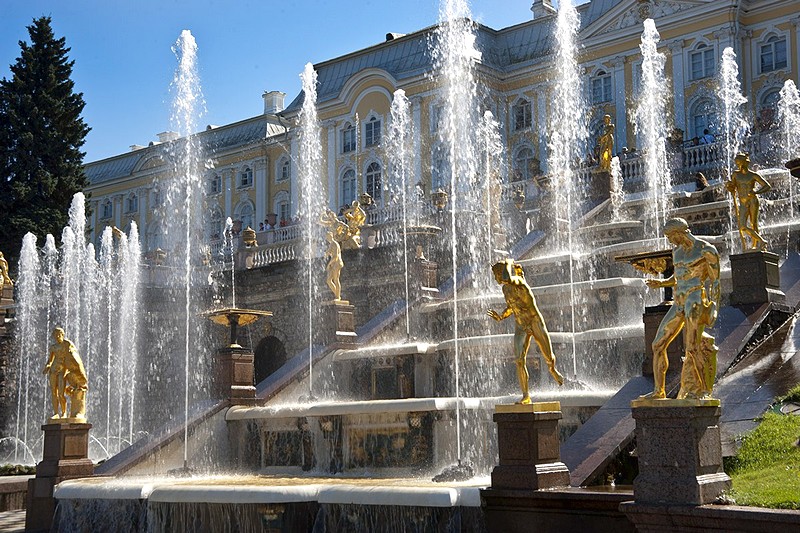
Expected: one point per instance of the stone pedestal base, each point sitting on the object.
(338, 323)
(529, 449)
(65, 456)
(756, 278)
(236, 371)
(679, 449)
(652, 318)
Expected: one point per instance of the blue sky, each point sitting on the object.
(124, 63)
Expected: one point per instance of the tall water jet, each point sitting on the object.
(567, 136)
(400, 132)
(455, 55)
(652, 125)
(129, 273)
(789, 117)
(734, 127)
(491, 146)
(311, 198)
(617, 192)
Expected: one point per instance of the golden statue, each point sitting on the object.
(355, 217)
(742, 186)
(67, 378)
(347, 234)
(5, 279)
(696, 304)
(529, 322)
(605, 145)
(333, 254)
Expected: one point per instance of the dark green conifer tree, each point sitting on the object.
(41, 135)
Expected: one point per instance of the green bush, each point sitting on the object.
(17, 470)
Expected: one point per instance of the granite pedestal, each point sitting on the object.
(679, 450)
(236, 372)
(65, 456)
(529, 449)
(338, 324)
(756, 278)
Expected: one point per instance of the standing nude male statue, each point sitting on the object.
(529, 322)
(743, 187)
(67, 378)
(697, 294)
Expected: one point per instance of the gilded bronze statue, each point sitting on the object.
(529, 323)
(742, 186)
(696, 284)
(5, 278)
(347, 234)
(67, 378)
(605, 145)
(333, 269)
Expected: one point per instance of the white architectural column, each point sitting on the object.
(293, 199)
(502, 118)
(541, 124)
(796, 59)
(620, 105)
(227, 185)
(142, 194)
(416, 120)
(678, 83)
(117, 203)
(260, 172)
(333, 189)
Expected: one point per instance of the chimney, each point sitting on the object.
(167, 136)
(542, 9)
(273, 102)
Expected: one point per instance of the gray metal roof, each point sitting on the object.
(212, 141)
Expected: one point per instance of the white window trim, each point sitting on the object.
(283, 160)
(756, 51)
(696, 47)
(342, 173)
(363, 125)
(519, 100)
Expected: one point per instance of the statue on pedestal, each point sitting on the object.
(529, 322)
(67, 378)
(742, 186)
(696, 304)
(605, 145)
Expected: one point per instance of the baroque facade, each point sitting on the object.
(252, 172)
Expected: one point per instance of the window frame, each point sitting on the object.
(772, 42)
(246, 172)
(522, 107)
(372, 132)
(349, 139)
(348, 177)
(707, 62)
(601, 79)
(373, 181)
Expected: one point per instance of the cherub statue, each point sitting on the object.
(696, 304)
(742, 186)
(67, 378)
(529, 323)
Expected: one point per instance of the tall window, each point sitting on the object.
(373, 178)
(155, 236)
(215, 185)
(348, 186)
(215, 224)
(703, 116)
(245, 213)
(348, 139)
(283, 211)
(285, 170)
(601, 87)
(108, 209)
(372, 132)
(437, 113)
(246, 177)
(768, 110)
(524, 164)
(773, 54)
(702, 62)
(522, 115)
(131, 203)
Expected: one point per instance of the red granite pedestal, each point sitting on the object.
(756, 278)
(338, 324)
(66, 456)
(236, 371)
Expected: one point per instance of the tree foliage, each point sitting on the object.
(41, 135)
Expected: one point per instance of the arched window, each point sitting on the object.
(282, 208)
(703, 116)
(215, 185)
(348, 138)
(131, 203)
(773, 54)
(522, 114)
(348, 186)
(244, 212)
(601, 87)
(373, 181)
(702, 63)
(524, 165)
(108, 209)
(768, 109)
(155, 236)
(246, 177)
(372, 132)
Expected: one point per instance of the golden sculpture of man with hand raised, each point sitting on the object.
(742, 186)
(697, 294)
(529, 322)
(605, 144)
(67, 378)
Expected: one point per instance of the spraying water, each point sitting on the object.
(491, 146)
(227, 244)
(652, 126)
(734, 127)
(310, 195)
(617, 193)
(568, 133)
